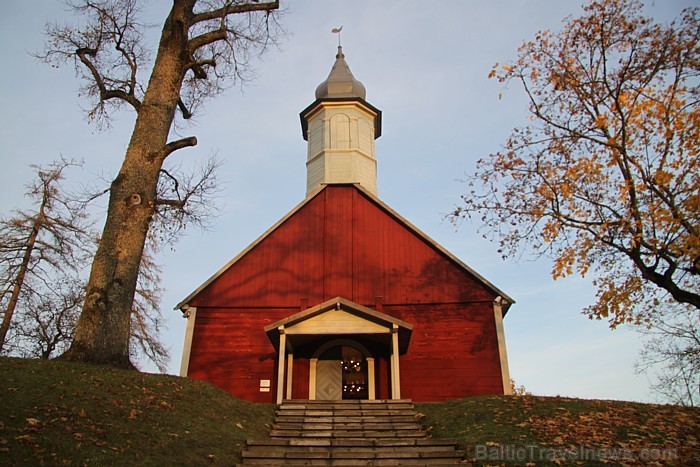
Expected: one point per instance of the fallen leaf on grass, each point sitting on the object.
(25, 439)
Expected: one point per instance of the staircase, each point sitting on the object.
(350, 433)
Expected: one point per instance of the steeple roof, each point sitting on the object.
(340, 81)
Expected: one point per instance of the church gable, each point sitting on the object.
(342, 241)
(337, 322)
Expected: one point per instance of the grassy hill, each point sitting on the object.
(58, 413)
(533, 430)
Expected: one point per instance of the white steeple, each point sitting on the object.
(341, 127)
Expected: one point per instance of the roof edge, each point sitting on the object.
(317, 102)
(437, 246)
(247, 249)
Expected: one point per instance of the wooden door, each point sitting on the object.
(329, 380)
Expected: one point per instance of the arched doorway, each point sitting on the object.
(341, 369)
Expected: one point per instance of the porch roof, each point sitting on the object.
(347, 317)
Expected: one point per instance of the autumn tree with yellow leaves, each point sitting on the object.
(605, 178)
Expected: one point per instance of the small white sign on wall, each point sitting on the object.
(264, 385)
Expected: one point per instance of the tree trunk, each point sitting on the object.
(102, 332)
(22, 272)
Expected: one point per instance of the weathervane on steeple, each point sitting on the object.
(337, 31)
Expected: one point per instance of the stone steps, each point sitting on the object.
(349, 433)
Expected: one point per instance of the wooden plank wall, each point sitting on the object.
(341, 243)
(453, 352)
(231, 350)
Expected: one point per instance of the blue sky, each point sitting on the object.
(425, 65)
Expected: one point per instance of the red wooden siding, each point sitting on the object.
(231, 350)
(453, 352)
(342, 243)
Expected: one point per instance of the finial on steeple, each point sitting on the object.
(337, 31)
(340, 81)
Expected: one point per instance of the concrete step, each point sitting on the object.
(323, 442)
(349, 433)
(347, 413)
(347, 419)
(345, 452)
(359, 425)
(366, 455)
(353, 406)
(262, 451)
(350, 462)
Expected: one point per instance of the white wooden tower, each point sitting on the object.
(340, 127)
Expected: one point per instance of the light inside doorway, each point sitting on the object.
(355, 384)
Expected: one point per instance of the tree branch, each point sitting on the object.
(174, 203)
(233, 9)
(186, 114)
(207, 38)
(105, 94)
(173, 146)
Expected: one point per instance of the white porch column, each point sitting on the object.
(290, 367)
(312, 379)
(280, 364)
(191, 315)
(370, 378)
(498, 318)
(395, 372)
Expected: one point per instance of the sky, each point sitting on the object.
(425, 66)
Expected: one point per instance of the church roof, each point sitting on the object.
(507, 301)
(340, 81)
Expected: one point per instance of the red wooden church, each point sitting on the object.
(343, 298)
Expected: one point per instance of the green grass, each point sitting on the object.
(58, 413)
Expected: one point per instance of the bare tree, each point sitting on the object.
(204, 46)
(146, 318)
(672, 351)
(33, 243)
(43, 253)
(47, 315)
(47, 318)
